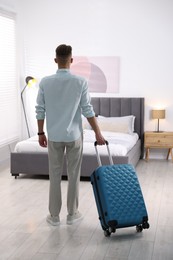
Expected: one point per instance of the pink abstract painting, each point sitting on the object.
(102, 73)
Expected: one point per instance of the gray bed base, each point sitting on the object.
(37, 163)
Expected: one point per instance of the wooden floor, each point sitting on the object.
(24, 233)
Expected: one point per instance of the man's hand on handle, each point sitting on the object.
(100, 139)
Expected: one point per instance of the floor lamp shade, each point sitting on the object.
(158, 114)
(30, 81)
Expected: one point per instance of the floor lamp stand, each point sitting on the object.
(26, 121)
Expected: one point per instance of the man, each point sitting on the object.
(62, 99)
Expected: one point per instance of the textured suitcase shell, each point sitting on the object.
(119, 198)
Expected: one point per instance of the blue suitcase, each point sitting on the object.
(118, 196)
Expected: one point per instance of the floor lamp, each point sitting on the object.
(29, 82)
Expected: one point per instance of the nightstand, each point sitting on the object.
(158, 140)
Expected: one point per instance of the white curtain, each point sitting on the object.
(9, 94)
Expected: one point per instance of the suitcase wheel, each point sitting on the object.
(146, 225)
(112, 229)
(107, 233)
(139, 228)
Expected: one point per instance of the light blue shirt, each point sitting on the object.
(62, 98)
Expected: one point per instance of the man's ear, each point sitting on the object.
(55, 60)
(71, 60)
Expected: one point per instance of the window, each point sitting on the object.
(9, 111)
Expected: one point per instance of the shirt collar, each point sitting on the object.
(62, 70)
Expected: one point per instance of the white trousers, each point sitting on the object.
(73, 158)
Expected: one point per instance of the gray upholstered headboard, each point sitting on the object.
(122, 106)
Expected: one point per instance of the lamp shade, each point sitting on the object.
(158, 114)
(30, 81)
(28, 78)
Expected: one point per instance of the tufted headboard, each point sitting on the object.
(122, 106)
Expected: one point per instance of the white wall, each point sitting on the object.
(7, 5)
(139, 31)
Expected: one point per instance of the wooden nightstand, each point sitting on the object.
(158, 140)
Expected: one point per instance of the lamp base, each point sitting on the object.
(158, 131)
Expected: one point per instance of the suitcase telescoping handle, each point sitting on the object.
(98, 156)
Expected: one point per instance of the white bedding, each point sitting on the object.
(119, 143)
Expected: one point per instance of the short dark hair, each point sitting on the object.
(63, 51)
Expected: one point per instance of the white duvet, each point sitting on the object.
(119, 143)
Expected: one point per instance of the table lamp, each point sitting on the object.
(158, 114)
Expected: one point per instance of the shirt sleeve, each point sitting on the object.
(86, 107)
(40, 107)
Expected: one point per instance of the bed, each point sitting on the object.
(35, 161)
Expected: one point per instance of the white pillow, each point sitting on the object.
(124, 124)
